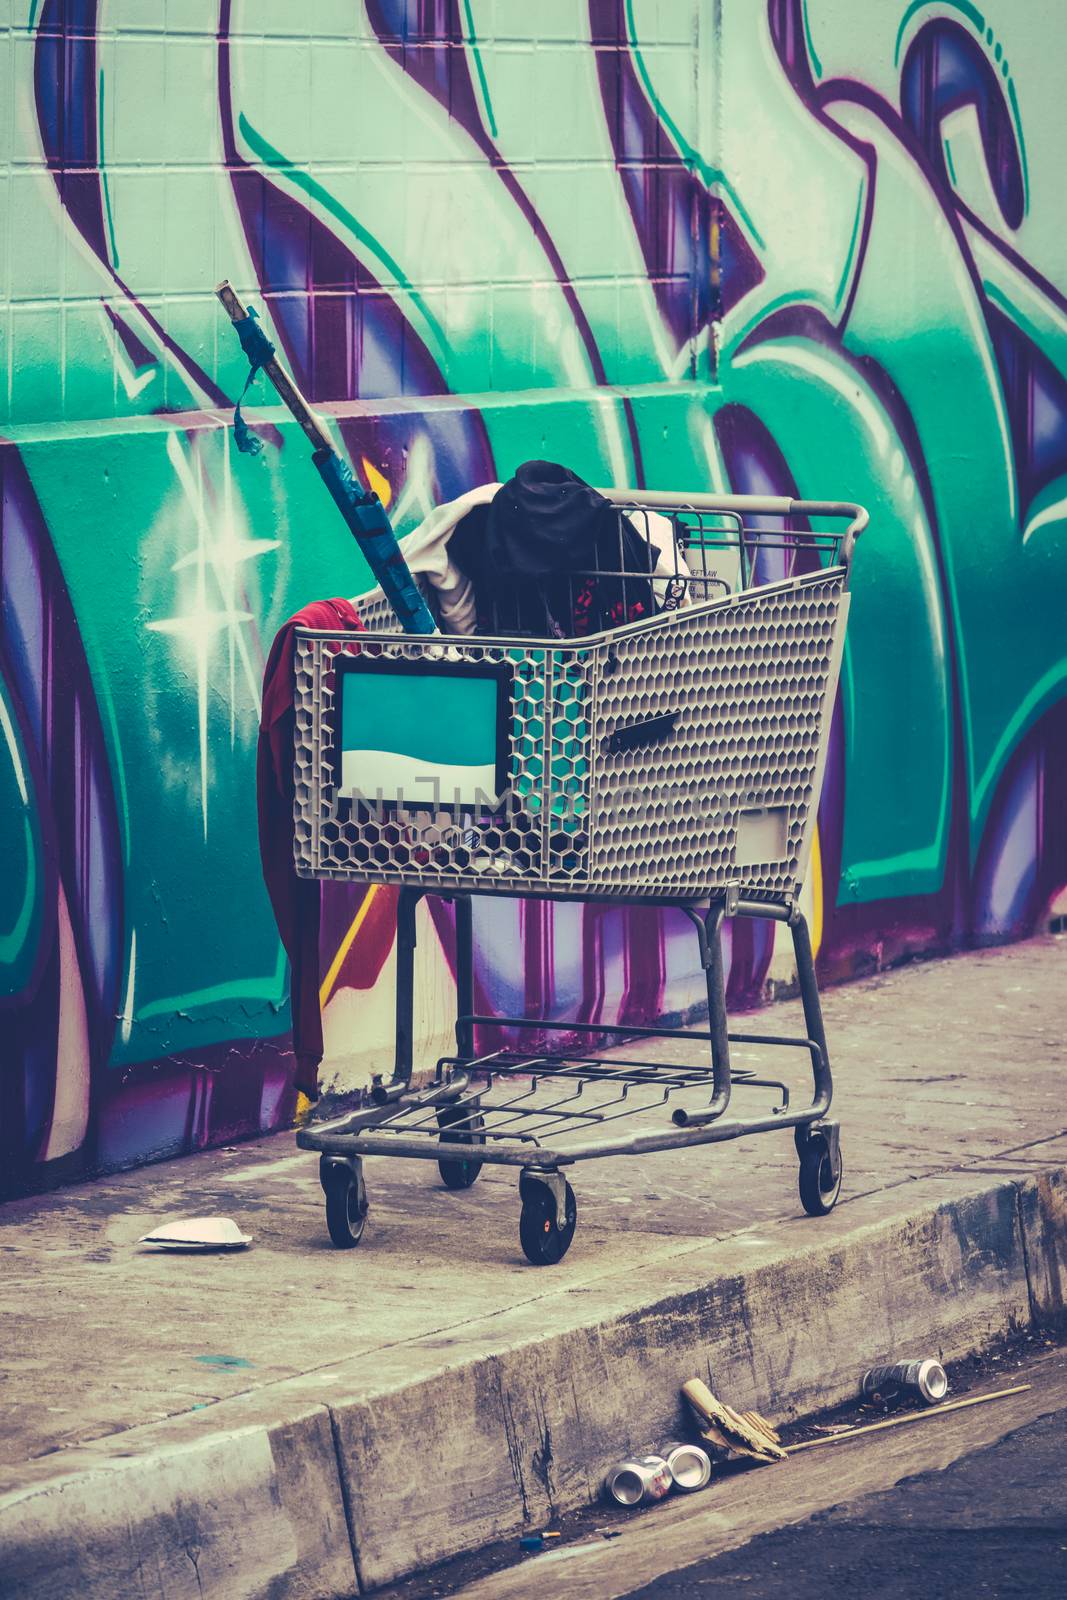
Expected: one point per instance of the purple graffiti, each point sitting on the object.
(172, 1107)
(697, 261)
(946, 68)
(64, 81)
(66, 97)
(75, 973)
(425, 38)
(755, 465)
(1023, 858)
(1035, 392)
(349, 340)
(343, 334)
(135, 348)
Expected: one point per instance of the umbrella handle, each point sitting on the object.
(287, 389)
(361, 509)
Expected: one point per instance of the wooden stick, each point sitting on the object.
(910, 1416)
(287, 389)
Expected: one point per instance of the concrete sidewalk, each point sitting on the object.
(295, 1420)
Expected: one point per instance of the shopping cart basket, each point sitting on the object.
(674, 759)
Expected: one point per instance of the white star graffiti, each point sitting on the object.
(218, 556)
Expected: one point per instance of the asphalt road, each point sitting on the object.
(969, 1503)
(993, 1523)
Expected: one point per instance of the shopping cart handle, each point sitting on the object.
(650, 730)
(757, 505)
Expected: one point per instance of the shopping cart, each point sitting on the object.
(674, 759)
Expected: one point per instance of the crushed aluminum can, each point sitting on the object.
(926, 1380)
(638, 1481)
(690, 1466)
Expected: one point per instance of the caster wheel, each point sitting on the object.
(820, 1184)
(543, 1241)
(346, 1205)
(459, 1174)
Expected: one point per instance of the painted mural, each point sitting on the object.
(803, 246)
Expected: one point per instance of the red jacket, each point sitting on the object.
(295, 900)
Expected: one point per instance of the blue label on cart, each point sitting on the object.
(415, 736)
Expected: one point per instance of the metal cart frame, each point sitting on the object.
(456, 1120)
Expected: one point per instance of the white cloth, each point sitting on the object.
(670, 563)
(426, 553)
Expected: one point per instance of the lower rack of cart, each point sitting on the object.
(542, 1111)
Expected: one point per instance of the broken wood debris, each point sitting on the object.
(743, 1433)
(746, 1433)
(907, 1416)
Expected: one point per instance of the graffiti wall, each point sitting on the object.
(802, 246)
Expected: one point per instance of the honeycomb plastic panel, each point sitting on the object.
(744, 687)
(377, 615)
(507, 846)
(635, 756)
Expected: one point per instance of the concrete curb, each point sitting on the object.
(240, 1505)
(316, 1485)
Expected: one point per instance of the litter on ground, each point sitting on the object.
(198, 1233)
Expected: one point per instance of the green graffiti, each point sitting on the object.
(1014, 102)
(699, 253)
(816, 63)
(103, 175)
(483, 85)
(712, 175)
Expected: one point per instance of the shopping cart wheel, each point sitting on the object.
(346, 1199)
(820, 1173)
(460, 1174)
(544, 1241)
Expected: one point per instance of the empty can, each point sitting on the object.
(690, 1466)
(638, 1480)
(926, 1379)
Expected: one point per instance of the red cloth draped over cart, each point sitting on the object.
(295, 900)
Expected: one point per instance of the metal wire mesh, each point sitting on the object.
(674, 755)
(518, 1097)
